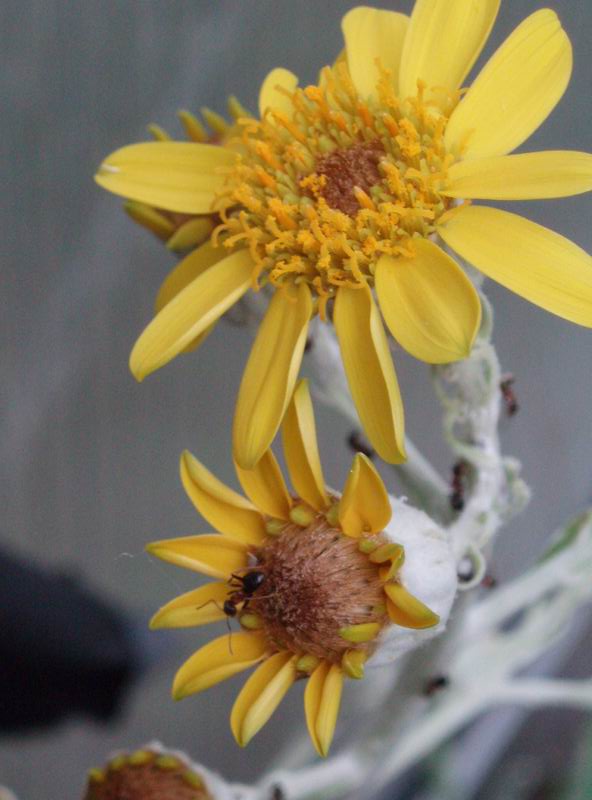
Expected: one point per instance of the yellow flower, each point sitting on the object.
(313, 580)
(340, 192)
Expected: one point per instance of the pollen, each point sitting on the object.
(317, 584)
(319, 194)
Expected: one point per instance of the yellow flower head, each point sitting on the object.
(338, 195)
(312, 580)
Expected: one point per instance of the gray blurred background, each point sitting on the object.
(89, 457)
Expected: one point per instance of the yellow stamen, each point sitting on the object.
(319, 194)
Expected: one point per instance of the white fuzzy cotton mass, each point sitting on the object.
(429, 573)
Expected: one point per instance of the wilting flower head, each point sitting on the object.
(340, 193)
(314, 580)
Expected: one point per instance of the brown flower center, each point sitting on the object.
(344, 170)
(317, 582)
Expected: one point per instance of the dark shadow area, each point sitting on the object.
(64, 651)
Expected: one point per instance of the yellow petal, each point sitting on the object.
(265, 486)
(189, 268)
(261, 695)
(370, 372)
(322, 698)
(313, 694)
(429, 304)
(406, 610)
(528, 176)
(329, 708)
(223, 508)
(218, 660)
(271, 373)
(372, 34)
(526, 258)
(197, 607)
(299, 437)
(207, 553)
(186, 271)
(364, 506)
(176, 176)
(191, 312)
(515, 91)
(444, 40)
(271, 94)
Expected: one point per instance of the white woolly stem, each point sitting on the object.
(327, 779)
(535, 692)
(470, 394)
(419, 480)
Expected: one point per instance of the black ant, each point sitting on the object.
(248, 583)
(459, 474)
(508, 395)
(242, 589)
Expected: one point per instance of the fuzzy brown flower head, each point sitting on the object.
(317, 583)
(145, 775)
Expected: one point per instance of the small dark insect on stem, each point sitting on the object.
(435, 684)
(277, 793)
(359, 445)
(457, 484)
(508, 394)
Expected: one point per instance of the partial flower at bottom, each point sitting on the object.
(313, 579)
(337, 196)
(150, 773)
